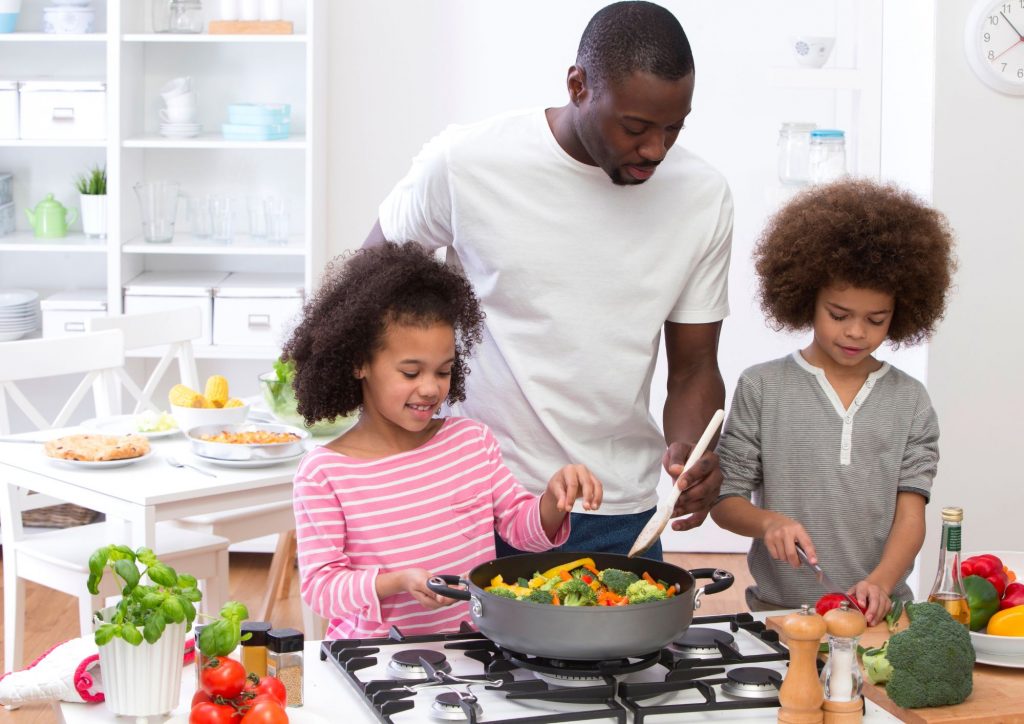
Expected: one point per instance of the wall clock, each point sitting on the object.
(994, 41)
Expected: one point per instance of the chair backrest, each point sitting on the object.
(96, 356)
(173, 330)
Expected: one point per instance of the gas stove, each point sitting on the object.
(721, 663)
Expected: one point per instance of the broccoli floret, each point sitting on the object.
(551, 584)
(644, 592)
(502, 592)
(618, 581)
(876, 664)
(576, 593)
(580, 572)
(539, 596)
(932, 660)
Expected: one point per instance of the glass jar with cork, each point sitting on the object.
(284, 661)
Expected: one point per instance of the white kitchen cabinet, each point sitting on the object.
(134, 63)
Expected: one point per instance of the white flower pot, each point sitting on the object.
(94, 215)
(143, 680)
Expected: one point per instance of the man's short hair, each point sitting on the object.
(631, 36)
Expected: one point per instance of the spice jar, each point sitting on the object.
(254, 648)
(827, 155)
(794, 152)
(284, 661)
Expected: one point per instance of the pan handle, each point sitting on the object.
(721, 581)
(442, 585)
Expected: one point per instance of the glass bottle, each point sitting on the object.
(254, 648)
(794, 152)
(948, 588)
(185, 16)
(827, 155)
(284, 661)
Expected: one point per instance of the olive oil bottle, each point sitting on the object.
(948, 589)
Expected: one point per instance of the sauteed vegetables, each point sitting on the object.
(580, 583)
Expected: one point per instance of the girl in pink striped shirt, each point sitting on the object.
(403, 495)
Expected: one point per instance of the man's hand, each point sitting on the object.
(699, 486)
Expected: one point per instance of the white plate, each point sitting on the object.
(124, 425)
(258, 463)
(1011, 662)
(296, 715)
(99, 464)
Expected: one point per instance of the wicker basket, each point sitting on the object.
(65, 515)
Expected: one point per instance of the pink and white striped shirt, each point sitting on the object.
(434, 507)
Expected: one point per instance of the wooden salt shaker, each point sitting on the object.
(850, 624)
(801, 693)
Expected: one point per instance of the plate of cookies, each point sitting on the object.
(98, 451)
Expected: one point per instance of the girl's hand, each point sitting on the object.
(575, 481)
(873, 598)
(781, 534)
(414, 582)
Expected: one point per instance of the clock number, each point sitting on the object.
(1020, 72)
(988, 36)
(993, 19)
(992, 55)
(1007, 7)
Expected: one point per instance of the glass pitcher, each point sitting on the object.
(158, 202)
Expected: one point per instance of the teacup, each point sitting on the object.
(183, 102)
(174, 114)
(176, 87)
(813, 51)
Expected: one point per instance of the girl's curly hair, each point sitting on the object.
(862, 234)
(343, 325)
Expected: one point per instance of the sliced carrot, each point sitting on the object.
(565, 575)
(647, 577)
(554, 599)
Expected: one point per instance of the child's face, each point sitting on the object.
(406, 381)
(851, 323)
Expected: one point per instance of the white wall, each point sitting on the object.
(400, 71)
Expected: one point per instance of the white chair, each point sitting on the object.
(58, 559)
(176, 328)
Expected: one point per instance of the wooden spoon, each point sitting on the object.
(652, 531)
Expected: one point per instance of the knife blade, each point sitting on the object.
(827, 583)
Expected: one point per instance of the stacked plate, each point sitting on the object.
(19, 313)
(180, 130)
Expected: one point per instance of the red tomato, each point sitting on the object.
(209, 713)
(272, 686)
(200, 697)
(265, 712)
(225, 679)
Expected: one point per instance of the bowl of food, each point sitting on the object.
(994, 648)
(191, 417)
(276, 387)
(259, 441)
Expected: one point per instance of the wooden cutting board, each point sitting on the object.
(998, 694)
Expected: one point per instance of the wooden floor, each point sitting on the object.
(53, 617)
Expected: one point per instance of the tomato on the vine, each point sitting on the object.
(272, 685)
(265, 712)
(207, 712)
(200, 697)
(223, 677)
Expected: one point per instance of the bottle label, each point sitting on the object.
(952, 538)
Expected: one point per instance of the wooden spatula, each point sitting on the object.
(649, 535)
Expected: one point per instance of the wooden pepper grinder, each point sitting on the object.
(842, 678)
(801, 693)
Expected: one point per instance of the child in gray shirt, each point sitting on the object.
(829, 448)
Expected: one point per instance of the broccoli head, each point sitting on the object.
(539, 596)
(932, 660)
(876, 664)
(580, 572)
(503, 592)
(618, 581)
(643, 592)
(576, 593)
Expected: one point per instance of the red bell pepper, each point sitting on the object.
(832, 600)
(1014, 596)
(988, 567)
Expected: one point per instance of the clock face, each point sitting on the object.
(995, 44)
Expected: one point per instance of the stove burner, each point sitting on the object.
(564, 672)
(448, 706)
(701, 643)
(406, 664)
(752, 682)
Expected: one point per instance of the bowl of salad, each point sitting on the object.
(276, 387)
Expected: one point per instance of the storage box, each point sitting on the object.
(8, 110)
(258, 310)
(6, 188)
(53, 109)
(66, 313)
(7, 218)
(160, 291)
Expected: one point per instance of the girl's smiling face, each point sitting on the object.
(408, 378)
(850, 323)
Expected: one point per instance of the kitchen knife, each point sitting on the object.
(827, 583)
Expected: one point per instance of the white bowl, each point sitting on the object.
(1006, 646)
(189, 417)
(812, 51)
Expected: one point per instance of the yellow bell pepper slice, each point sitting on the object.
(585, 562)
(1008, 622)
(497, 580)
(537, 581)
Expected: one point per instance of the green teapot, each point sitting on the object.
(49, 219)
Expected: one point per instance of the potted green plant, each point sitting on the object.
(141, 639)
(92, 188)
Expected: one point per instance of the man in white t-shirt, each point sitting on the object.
(584, 238)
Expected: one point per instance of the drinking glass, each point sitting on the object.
(257, 218)
(200, 217)
(158, 201)
(222, 212)
(277, 220)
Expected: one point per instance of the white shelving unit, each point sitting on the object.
(134, 63)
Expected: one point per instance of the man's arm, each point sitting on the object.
(695, 392)
(375, 237)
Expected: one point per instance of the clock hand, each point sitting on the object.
(1011, 25)
(1008, 50)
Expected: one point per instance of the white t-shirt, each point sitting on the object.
(577, 277)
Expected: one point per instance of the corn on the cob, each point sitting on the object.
(217, 390)
(184, 396)
(234, 402)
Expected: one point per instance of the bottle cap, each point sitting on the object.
(284, 640)
(259, 630)
(953, 515)
(827, 133)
